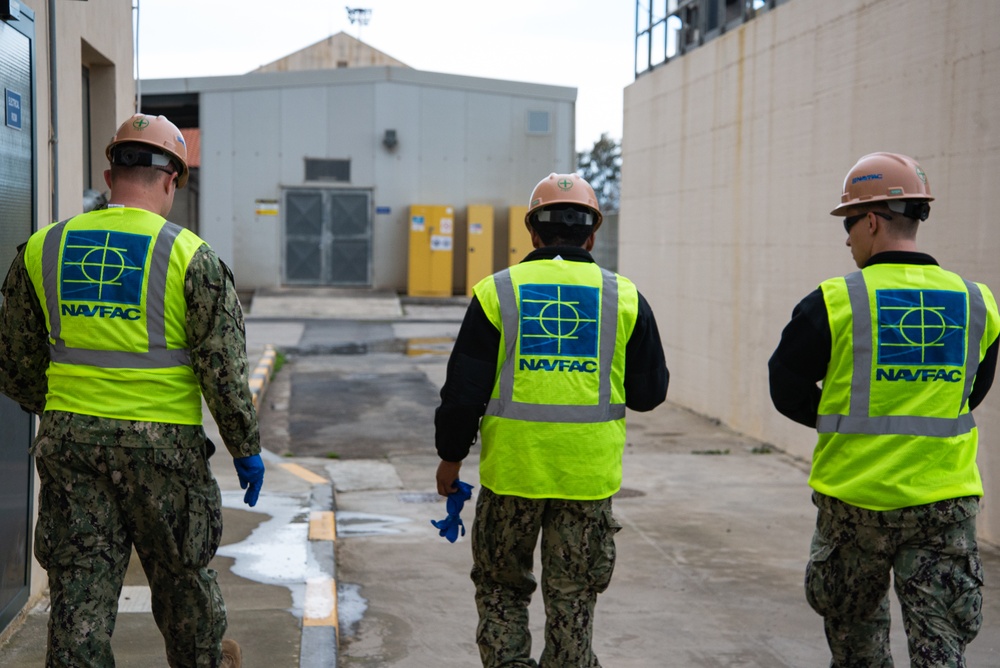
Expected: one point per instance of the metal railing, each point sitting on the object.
(665, 29)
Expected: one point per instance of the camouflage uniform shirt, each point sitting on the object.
(216, 340)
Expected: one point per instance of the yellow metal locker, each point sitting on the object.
(518, 237)
(431, 234)
(479, 256)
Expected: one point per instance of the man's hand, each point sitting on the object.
(447, 474)
(251, 474)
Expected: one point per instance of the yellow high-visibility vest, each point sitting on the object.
(111, 284)
(894, 423)
(555, 423)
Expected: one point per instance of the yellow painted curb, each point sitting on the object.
(262, 373)
(321, 603)
(322, 525)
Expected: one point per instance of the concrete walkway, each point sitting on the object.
(710, 560)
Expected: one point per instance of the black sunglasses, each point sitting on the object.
(850, 220)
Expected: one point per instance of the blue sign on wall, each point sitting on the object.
(13, 109)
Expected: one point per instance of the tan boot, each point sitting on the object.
(232, 657)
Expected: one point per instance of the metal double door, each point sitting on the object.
(327, 237)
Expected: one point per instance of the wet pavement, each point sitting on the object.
(710, 560)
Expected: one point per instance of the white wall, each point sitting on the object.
(735, 153)
(462, 141)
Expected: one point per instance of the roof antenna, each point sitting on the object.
(360, 16)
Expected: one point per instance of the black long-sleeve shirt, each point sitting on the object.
(801, 358)
(472, 368)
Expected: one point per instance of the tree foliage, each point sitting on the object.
(602, 167)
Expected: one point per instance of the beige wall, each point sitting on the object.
(97, 33)
(735, 153)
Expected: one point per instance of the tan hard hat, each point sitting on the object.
(884, 177)
(156, 131)
(564, 189)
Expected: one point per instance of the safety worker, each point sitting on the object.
(114, 324)
(550, 353)
(905, 351)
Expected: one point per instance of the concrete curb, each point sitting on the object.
(262, 373)
(320, 618)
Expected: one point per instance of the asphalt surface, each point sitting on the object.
(710, 560)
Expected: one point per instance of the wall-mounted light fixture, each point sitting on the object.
(389, 140)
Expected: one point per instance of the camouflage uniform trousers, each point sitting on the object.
(96, 502)
(938, 574)
(578, 558)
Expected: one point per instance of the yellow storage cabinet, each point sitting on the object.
(518, 237)
(479, 254)
(432, 229)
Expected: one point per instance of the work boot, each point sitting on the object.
(232, 657)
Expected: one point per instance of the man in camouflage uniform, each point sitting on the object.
(904, 350)
(550, 353)
(113, 325)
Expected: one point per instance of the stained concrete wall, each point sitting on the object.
(735, 153)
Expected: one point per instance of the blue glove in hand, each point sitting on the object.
(251, 473)
(450, 526)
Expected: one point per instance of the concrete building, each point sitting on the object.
(64, 98)
(307, 175)
(735, 149)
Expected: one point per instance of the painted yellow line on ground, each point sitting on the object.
(321, 603)
(304, 473)
(322, 525)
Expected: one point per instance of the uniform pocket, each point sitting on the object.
(46, 529)
(197, 528)
(605, 551)
(824, 577)
(204, 525)
(966, 613)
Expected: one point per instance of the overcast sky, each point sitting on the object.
(584, 44)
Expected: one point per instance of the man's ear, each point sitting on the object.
(588, 245)
(107, 177)
(873, 222)
(536, 241)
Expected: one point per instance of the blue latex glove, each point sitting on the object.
(450, 526)
(251, 473)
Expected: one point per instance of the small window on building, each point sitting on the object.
(338, 171)
(538, 123)
(341, 64)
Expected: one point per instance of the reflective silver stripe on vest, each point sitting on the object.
(505, 406)
(977, 328)
(859, 421)
(50, 280)
(159, 356)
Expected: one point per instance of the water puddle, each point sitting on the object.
(277, 551)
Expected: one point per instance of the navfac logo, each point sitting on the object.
(921, 327)
(103, 266)
(559, 320)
